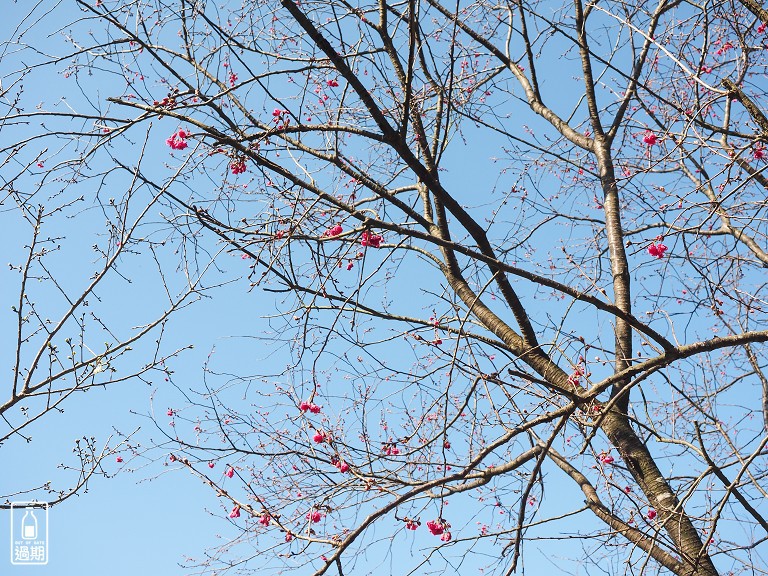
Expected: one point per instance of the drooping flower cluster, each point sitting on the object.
(370, 239)
(319, 437)
(230, 472)
(391, 450)
(606, 458)
(657, 250)
(237, 166)
(265, 519)
(334, 231)
(651, 514)
(340, 464)
(178, 140)
(311, 406)
(411, 524)
(235, 512)
(650, 138)
(435, 527)
(440, 528)
(314, 516)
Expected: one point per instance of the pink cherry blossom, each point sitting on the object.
(211, 464)
(119, 459)
(651, 514)
(657, 250)
(230, 472)
(446, 537)
(304, 406)
(334, 231)
(332, 83)
(370, 239)
(314, 408)
(288, 536)
(411, 525)
(650, 138)
(606, 458)
(319, 437)
(235, 512)
(759, 152)
(435, 527)
(177, 140)
(170, 412)
(265, 519)
(237, 166)
(343, 467)
(761, 28)
(314, 516)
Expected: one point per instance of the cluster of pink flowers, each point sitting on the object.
(230, 472)
(440, 528)
(411, 524)
(265, 519)
(232, 79)
(370, 239)
(311, 406)
(340, 464)
(391, 450)
(333, 231)
(650, 138)
(167, 102)
(435, 527)
(332, 83)
(761, 28)
(575, 378)
(759, 152)
(119, 459)
(277, 114)
(319, 437)
(235, 512)
(237, 166)
(314, 516)
(651, 514)
(606, 458)
(728, 45)
(178, 140)
(657, 250)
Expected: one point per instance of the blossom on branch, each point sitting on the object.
(178, 140)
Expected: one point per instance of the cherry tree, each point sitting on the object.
(516, 257)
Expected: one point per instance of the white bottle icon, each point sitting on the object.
(29, 525)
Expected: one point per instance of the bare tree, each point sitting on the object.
(517, 252)
(74, 221)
